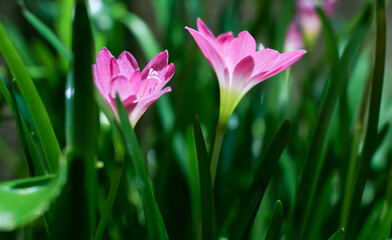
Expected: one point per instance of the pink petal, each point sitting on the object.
(137, 109)
(114, 68)
(264, 60)
(157, 63)
(224, 41)
(204, 30)
(127, 64)
(121, 85)
(96, 81)
(244, 69)
(285, 60)
(103, 70)
(211, 53)
(244, 45)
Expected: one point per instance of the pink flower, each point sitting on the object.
(308, 18)
(293, 39)
(238, 65)
(137, 90)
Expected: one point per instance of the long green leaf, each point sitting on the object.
(21, 132)
(206, 194)
(371, 134)
(34, 103)
(248, 208)
(314, 160)
(155, 226)
(5, 92)
(338, 235)
(330, 38)
(85, 122)
(46, 32)
(276, 222)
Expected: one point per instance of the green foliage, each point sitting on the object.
(328, 162)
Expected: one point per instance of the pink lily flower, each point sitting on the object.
(238, 65)
(308, 18)
(293, 39)
(137, 90)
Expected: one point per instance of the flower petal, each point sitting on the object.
(204, 30)
(224, 41)
(242, 71)
(102, 71)
(121, 85)
(242, 46)
(157, 63)
(127, 64)
(137, 109)
(264, 60)
(285, 60)
(209, 51)
(114, 68)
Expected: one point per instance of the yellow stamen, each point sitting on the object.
(222, 56)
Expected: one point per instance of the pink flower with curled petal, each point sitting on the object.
(238, 65)
(137, 90)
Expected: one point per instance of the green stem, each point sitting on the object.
(220, 133)
(351, 177)
(119, 166)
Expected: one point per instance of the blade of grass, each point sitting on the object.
(64, 22)
(338, 235)
(276, 222)
(21, 133)
(155, 226)
(329, 36)
(5, 92)
(46, 32)
(207, 201)
(38, 112)
(248, 207)
(85, 123)
(371, 134)
(314, 162)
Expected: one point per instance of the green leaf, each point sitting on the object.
(330, 38)
(25, 200)
(155, 226)
(29, 150)
(34, 103)
(249, 205)
(139, 29)
(371, 132)
(276, 222)
(314, 161)
(84, 125)
(64, 22)
(5, 92)
(338, 235)
(206, 194)
(46, 32)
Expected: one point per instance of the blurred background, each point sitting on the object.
(145, 28)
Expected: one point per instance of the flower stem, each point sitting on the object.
(119, 166)
(220, 133)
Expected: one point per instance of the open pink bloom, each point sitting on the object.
(137, 90)
(238, 65)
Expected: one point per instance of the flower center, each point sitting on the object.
(149, 84)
